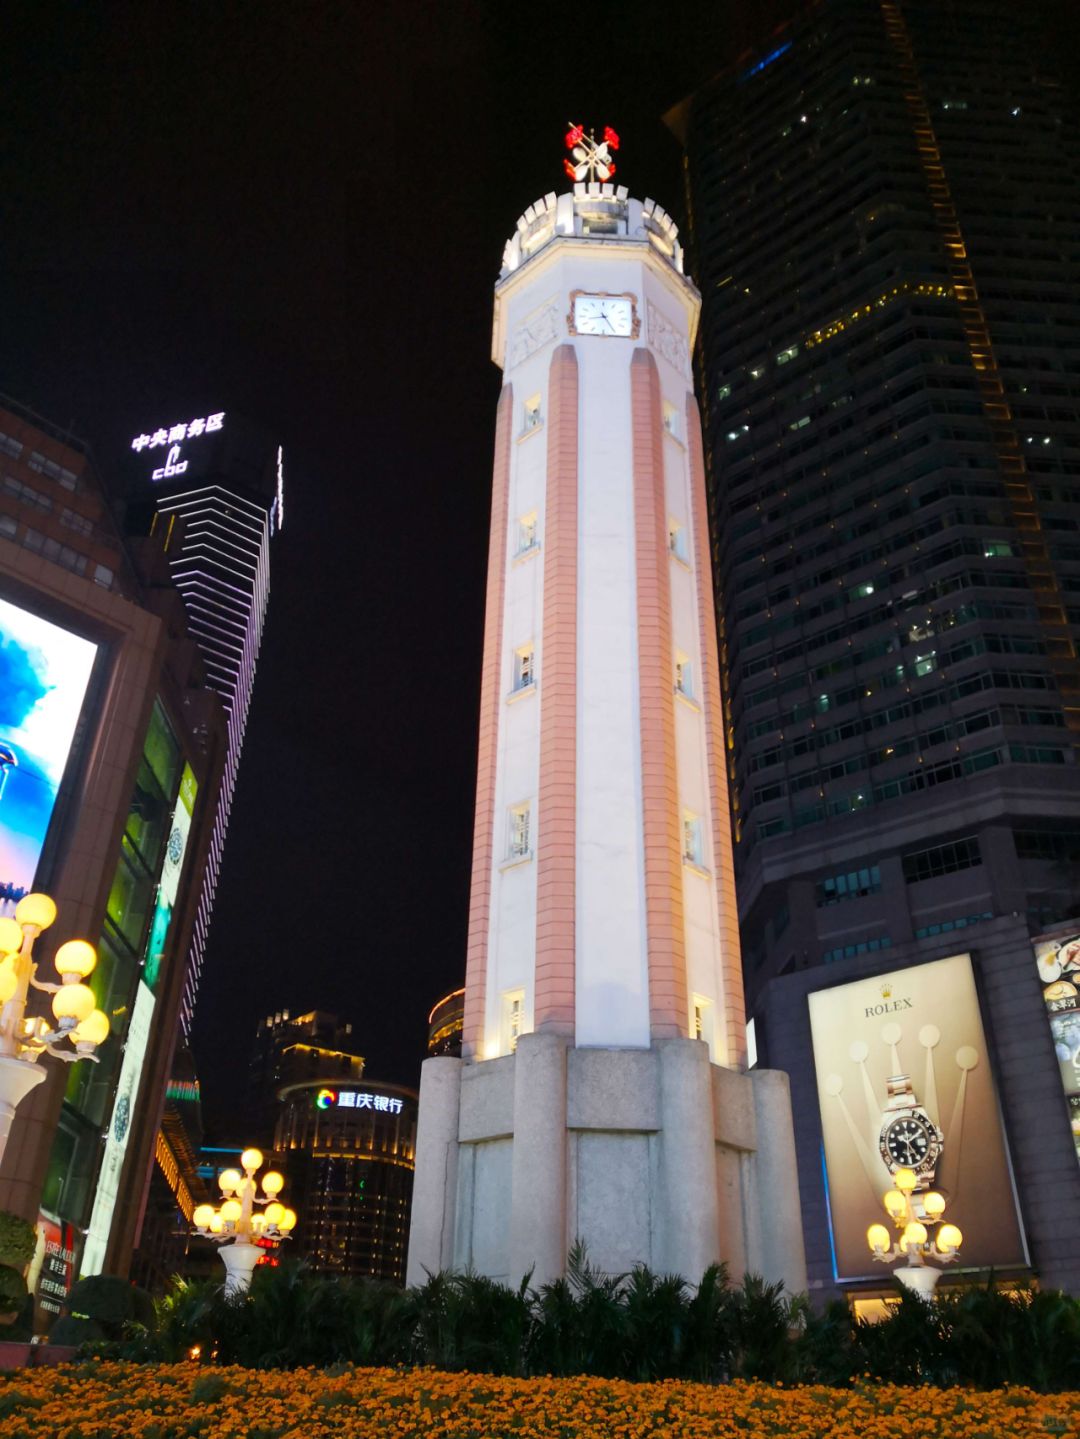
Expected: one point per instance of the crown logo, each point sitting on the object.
(886, 990)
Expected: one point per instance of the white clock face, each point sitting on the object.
(598, 315)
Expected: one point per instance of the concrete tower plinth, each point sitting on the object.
(649, 1156)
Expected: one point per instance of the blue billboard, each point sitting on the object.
(44, 672)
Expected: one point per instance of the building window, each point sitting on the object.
(524, 668)
(853, 885)
(701, 1025)
(942, 859)
(677, 540)
(785, 355)
(693, 849)
(26, 494)
(74, 521)
(946, 926)
(42, 466)
(527, 532)
(862, 946)
(10, 446)
(1056, 845)
(684, 676)
(519, 841)
(671, 420)
(513, 1020)
(532, 419)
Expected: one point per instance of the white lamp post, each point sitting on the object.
(237, 1223)
(23, 1041)
(915, 1245)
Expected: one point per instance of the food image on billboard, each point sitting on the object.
(904, 1081)
(1058, 962)
(44, 672)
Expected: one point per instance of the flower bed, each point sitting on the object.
(127, 1401)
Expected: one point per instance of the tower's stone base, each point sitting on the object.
(651, 1156)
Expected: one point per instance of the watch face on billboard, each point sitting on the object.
(44, 672)
(904, 1082)
(1058, 962)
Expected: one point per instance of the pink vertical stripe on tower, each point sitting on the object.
(733, 1011)
(553, 1005)
(484, 825)
(665, 934)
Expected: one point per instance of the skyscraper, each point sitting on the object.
(600, 1095)
(884, 214)
(221, 481)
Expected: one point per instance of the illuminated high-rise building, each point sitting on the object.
(883, 218)
(218, 488)
(601, 1095)
(116, 747)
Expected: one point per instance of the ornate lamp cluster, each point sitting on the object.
(78, 1020)
(237, 1224)
(915, 1244)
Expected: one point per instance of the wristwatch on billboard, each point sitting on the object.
(909, 1138)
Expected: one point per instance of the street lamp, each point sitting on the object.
(77, 1021)
(236, 1224)
(915, 1244)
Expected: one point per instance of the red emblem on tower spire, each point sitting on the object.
(591, 159)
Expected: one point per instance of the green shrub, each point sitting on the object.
(71, 1329)
(12, 1289)
(635, 1326)
(18, 1240)
(110, 1300)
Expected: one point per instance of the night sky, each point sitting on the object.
(298, 212)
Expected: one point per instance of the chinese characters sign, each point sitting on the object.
(357, 1099)
(174, 436)
(56, 1257)
(1059, 972)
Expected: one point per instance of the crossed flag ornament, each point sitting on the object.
(591, 157)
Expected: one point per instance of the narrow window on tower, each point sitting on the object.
(527, 532)
(518, 846)
(532, 418)
(684, 676)
(513, 1020)
(701, 1023)
(524, 668)
(677, 540)
(671, 420)
(693, 850)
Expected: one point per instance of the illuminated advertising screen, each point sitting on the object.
(138, 1034)
(1058, 962)
(903, 1076)
(44, 672)
(173, 863)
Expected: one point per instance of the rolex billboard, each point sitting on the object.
(904, 1081)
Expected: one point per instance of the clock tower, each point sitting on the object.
(603, 1093)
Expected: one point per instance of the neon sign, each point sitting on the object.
(358, 1099)
(177, 434)
(174, 436)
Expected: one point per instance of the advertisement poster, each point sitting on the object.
(1058, 962)
(115, 1148)
(904, 1079)
(54, 1262)
(44, 672)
